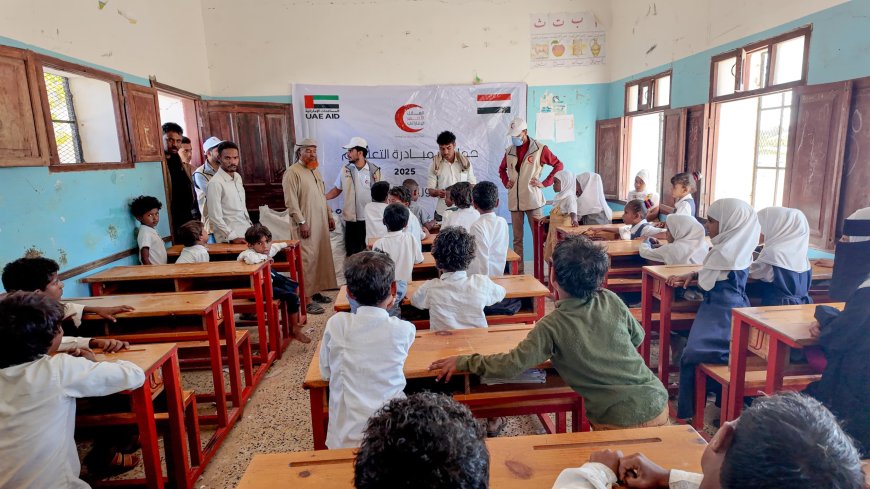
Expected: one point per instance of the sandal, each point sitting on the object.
(314, 308)
(320, 298)
(111, 463)
(500, 423)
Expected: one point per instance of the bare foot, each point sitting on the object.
(299, 336)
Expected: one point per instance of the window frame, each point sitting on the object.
(115, 84)
(741, 55)
(650, 83)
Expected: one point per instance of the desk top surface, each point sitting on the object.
(144, 356)
(789, 322)
(426, 242)
(174, 271)
(527, 462)
(570, 230)
(158, 304)
(429, 260)
(227, 248)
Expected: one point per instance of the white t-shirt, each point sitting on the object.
(626, 231)
(38, 416)
(374, 215)
(362, 356)
(251, 257)
(414, 227)
(462, 217)
(193, 254)
(491, 239)
(684, 205)
(405, 250)
(456, 300)
(594, 475)
(148, 238)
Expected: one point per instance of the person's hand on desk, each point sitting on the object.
(109, 345)
(108, 312)
(682, 280)
(447, 366)
(608, 458)
(640, 472)
(237, 241)
(83, 353)
(815, 330)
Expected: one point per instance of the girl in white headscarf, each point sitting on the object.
(686, 245)
(564, 211)
(734, 230)
(782, 267)
(592, 207)
(643, 190)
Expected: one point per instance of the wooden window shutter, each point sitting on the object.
(696, 153)
(609, 160)
(674, 153)
(23, 136)
(816, 147)
(856, 168)
(143, 121)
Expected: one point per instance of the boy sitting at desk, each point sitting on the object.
(404, 249)
(38, 392)
(787, 440)
(591, 339)
(465, 215)
(362, 353)
(456, 299)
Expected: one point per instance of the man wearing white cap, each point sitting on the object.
(310, 222)
(201, 177)
(520, 172)
(355, 181)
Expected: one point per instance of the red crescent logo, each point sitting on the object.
(400, 118)
(529, 159)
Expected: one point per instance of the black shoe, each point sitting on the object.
(313, 308)
(318, 297)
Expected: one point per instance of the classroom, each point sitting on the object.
(434, 243)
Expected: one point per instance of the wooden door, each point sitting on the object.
(816, 148)
(143, 119)
(856, 167)
(23, 136)
(673, 153)
(609, 161)
(696, 153)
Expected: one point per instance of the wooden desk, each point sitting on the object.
(785, 326)
(617, 217)
(214, 311)
(427, 269)
(521, 462)
(245, 281)
(429, 346)
(564, 231)
(516, 287)
(426, 243)
(287, 260)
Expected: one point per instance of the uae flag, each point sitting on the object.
(321, 101)
(494, 103)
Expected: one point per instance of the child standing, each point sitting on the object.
(490, 233)
(733, 227)
(193, 236)
(686, 243)
(782, 267)
(146, 210)
(634, 216)
(403, 248)
(417, 209)
(362, 354)
(564, 211)
(592, 207)
(464, 215)
(456, 299)
(38, 392)
(260, 249)
(591, 338)
(374, 211)
(645, 194)
(683, 185)
(400, 195)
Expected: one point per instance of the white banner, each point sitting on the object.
(400, 124)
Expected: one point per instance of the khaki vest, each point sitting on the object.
(524, 197)
(348, 212)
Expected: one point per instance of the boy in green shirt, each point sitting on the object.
(591, 339)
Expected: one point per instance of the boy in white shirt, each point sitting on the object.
(362, 353)
(490, 233)
(464, 215)
(193, 236)
(404, 248)
(456, 299)
(636, 226)
(260, 249)
(400, 195)
(146, 210)
(374, 211)
(38, 392)
(424, 217)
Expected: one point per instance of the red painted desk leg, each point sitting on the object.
(217, 372)
(539, 307)
(274, 323)
(144, 409)
(233, 365)
(667, 294)
(776, 359)
(175, 444)
(96, 289)
(561, 422)
(515, 267)
(646, 303)
(317, 396)
(263, 336)
(739, 351)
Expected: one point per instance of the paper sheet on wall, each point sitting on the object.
(566, 39)
(545, 126)
(564, 128)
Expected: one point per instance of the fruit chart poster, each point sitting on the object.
(566, 39)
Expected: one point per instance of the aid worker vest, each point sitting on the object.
(348, 184)
(524, 197)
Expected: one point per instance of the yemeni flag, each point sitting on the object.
(321, 101)
(493, 103)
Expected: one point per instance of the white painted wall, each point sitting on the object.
(155, 37)
(260, 48)
(646, 34)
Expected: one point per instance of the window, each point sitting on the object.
(761, 67)
(645, 148)
(63, 118)
(179, 107)
(648, 94)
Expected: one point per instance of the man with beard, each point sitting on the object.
(355, 180)
(310, 222)
(201, 177)
(182, 204)
(226, 198)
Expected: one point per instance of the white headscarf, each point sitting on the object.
(566, 199)
(689, 245)
(643, 175)
(786, 240)
(733, 246)
(592, 200)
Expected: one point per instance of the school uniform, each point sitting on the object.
(782, 268)
(650, 198)
(461, 218)
(362, 356)
(283, 287)
(688, 247)
(564, 205)
(148, 238)
(405, 250)
(193, 254)
(456, 300)
(37, 416)
(419, 211)
(491, 239)
(723, 278)
(414, 227)
(685, 205)
(374, 216)
(592, 207)
(594, 475)
(642, 229)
